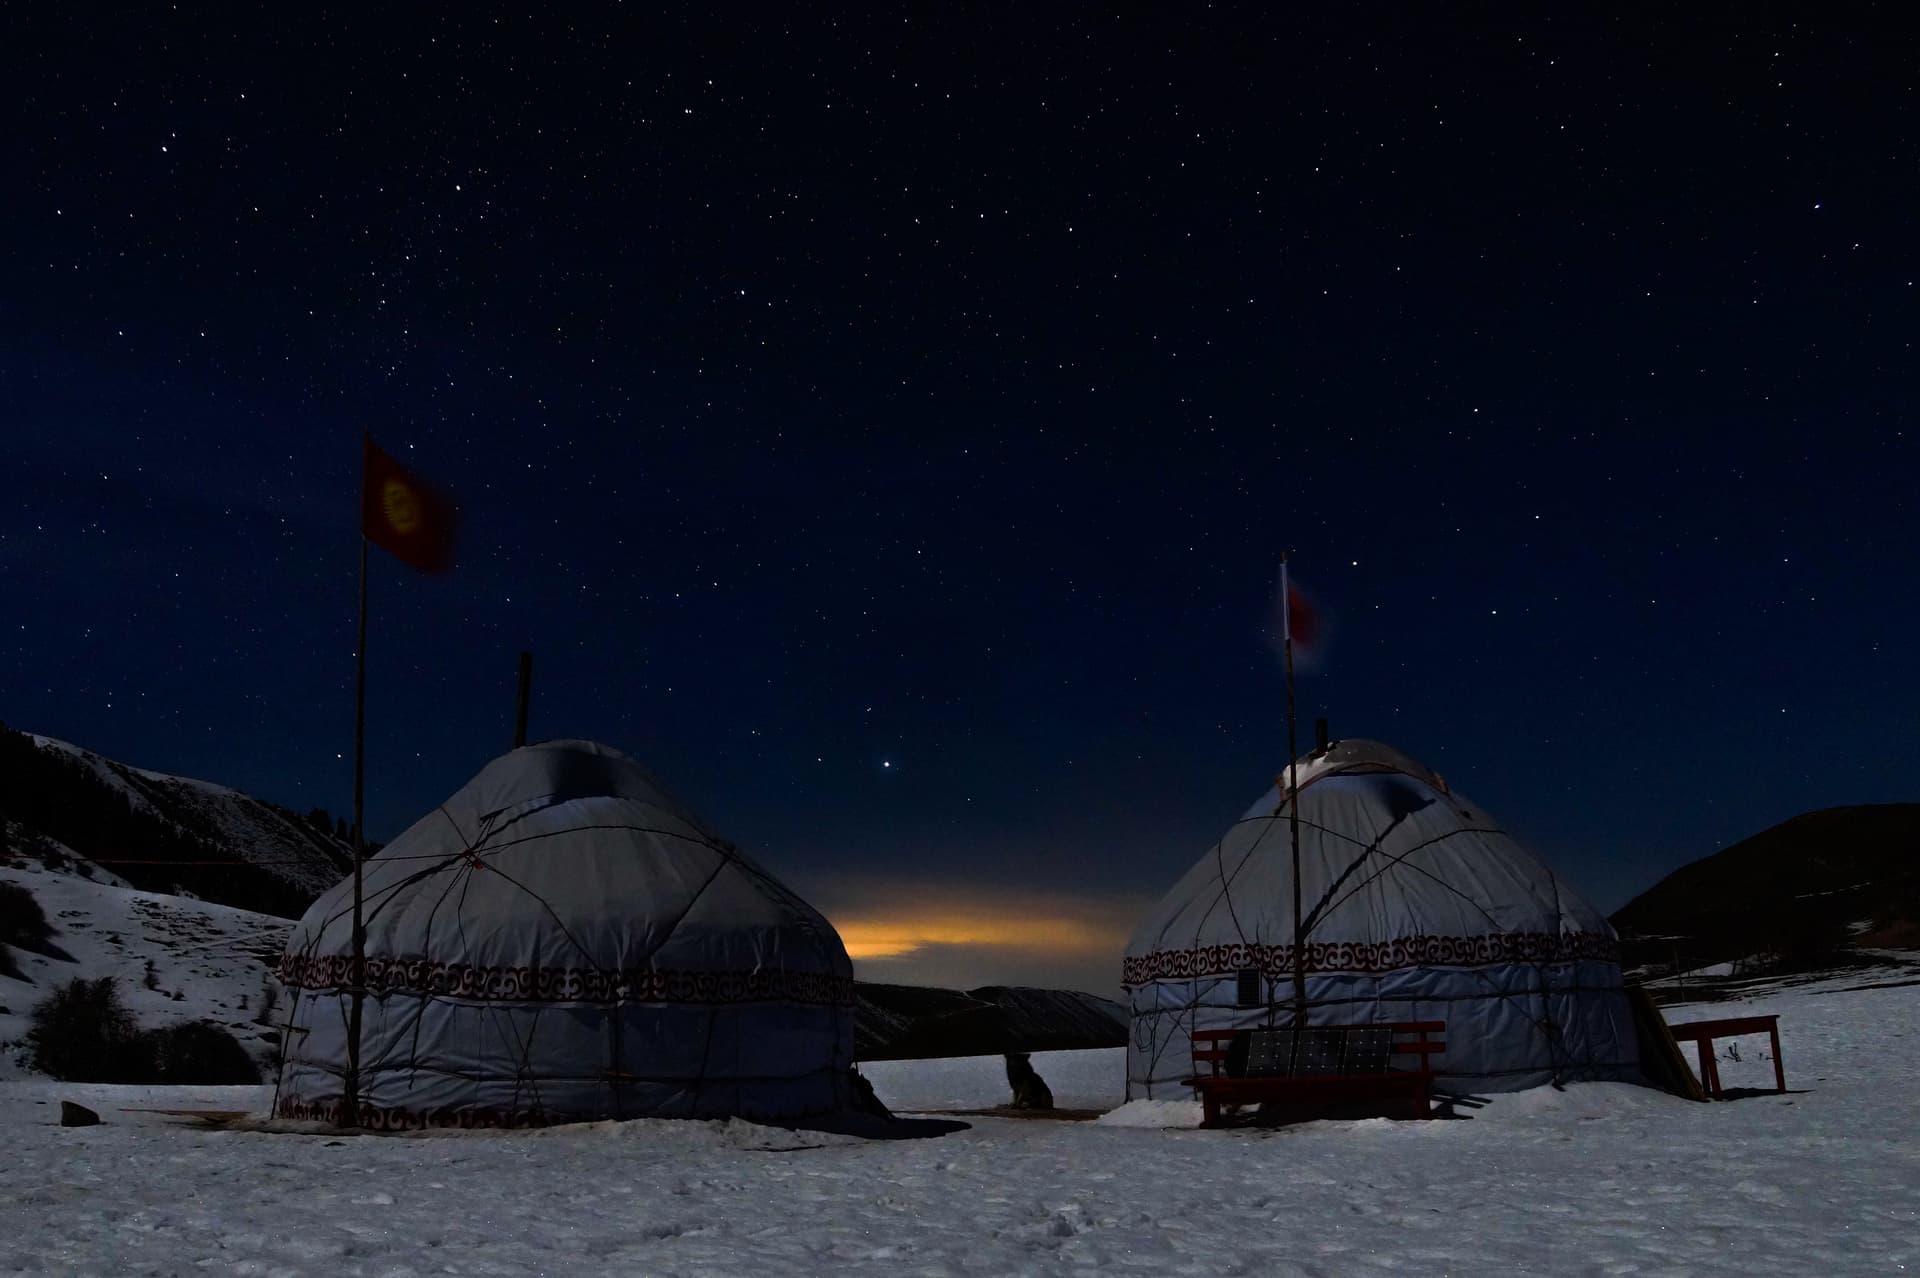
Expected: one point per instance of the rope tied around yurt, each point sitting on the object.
(1542, 950)
(1400, 861)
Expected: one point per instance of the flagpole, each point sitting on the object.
(350, 1103)
(1293, 805)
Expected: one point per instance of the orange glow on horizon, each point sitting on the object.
(1050, 933)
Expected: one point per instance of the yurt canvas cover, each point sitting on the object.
(563, 940)
(1417, 906)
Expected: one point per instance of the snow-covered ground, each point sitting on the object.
(1599, 1179)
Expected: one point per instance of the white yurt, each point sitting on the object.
(1415, 904)
(563, 940)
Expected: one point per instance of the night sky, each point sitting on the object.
(887, 426)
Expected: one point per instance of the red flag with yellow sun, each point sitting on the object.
(404, 515)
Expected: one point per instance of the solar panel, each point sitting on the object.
(1269, 1053)
(1369, 1048)
(1320, 1052)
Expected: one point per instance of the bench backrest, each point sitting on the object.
(1317, 1050)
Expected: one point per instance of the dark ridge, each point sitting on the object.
(177, 847)
(912, 1022)
(1806, 893)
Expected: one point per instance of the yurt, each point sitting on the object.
(563, 940)
(1415, 905)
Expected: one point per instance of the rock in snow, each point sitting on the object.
(72, 1115)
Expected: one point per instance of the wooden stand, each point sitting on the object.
(1703, 1033)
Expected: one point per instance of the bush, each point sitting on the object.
(22, 921)
(269, 1000)
(83, 1033)
(200, 1052)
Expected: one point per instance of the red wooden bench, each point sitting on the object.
(1316, 1063)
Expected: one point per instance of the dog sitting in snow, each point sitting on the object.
(1030, 1091)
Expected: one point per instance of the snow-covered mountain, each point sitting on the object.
(167, 834)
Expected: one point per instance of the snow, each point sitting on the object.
(210, 955)
(1598, 1179)
(1078, 1081)
(1154, 1113)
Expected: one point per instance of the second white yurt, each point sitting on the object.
(563, 940)
(1415, 905)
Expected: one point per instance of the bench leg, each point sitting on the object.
(1709, 1076)
(1209, 1108)
(1779, 1070)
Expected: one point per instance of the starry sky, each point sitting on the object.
(886, 424)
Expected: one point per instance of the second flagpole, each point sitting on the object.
(1293, 801)
(350, 1102)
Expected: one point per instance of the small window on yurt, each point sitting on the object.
(1248, 991)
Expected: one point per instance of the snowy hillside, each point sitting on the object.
(1597, 1179)
(257, 832)
(167, 833)
(172, 959)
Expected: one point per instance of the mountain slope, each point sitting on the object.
(168, 834)
(172, 959)
(913, 1022)
(1800, 890)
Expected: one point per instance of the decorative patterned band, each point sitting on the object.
(403, 1120)
(564, 984)
(1372, 956)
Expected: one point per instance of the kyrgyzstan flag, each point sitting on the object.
(1299, 616)
(404, 515)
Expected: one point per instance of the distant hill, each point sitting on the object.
(1799, 894)
(166, 834)
(914, 1022)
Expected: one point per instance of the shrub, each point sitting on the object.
(269, 1000)
(200, 1052)
(22, 921)
(83, 1033)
